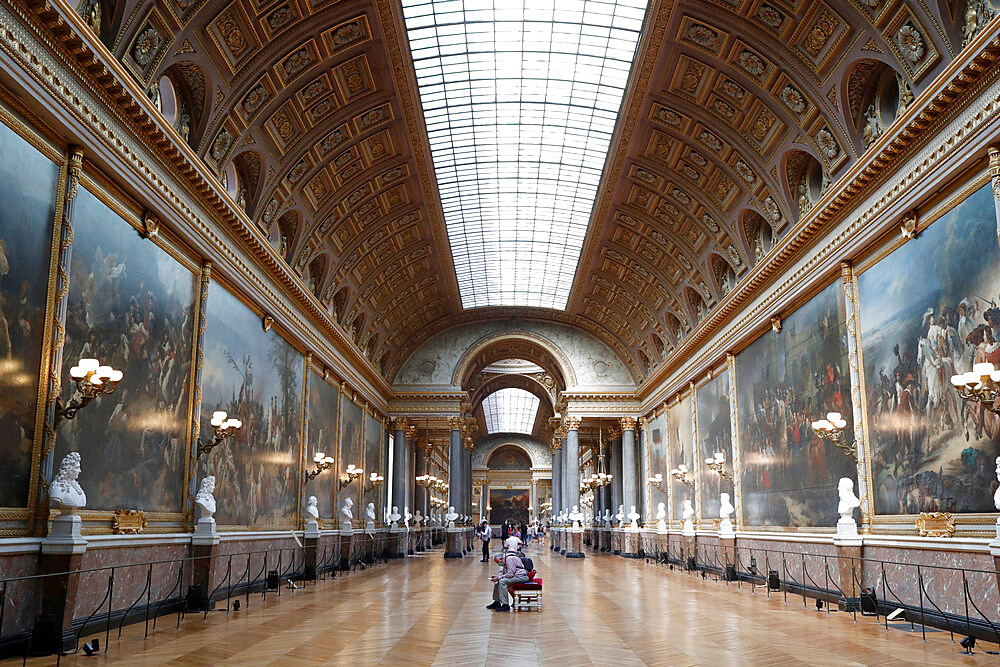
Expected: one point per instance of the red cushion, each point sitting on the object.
(531, 575)
(533, 584)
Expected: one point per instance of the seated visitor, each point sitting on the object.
(512, 571)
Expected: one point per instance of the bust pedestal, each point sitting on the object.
(348, 540)
(688, 529)
(630, 543)
(62, 552)
(453, 543)
(397, 548)
(575, 547)
(310, 547)
(726, 529)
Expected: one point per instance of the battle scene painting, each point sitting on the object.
(256, 377)
(715, 434)
(658, 462)
(324, 401)
(508, 504)
(680, 440)
(28, 185)
(131, 306)
(351, 452)
(785, 381)
(930, 310)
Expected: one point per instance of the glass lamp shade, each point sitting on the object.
(89, 365)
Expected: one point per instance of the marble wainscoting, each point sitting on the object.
(129, 557)
(818, 558)
(942, 573)
(267, 551)
(20, 603)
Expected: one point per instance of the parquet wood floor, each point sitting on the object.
(602, 610)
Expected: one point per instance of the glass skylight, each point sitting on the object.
(510, 410)
(520, 100)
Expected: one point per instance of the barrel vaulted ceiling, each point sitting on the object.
(737, 117)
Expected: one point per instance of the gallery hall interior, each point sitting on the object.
(478, 332)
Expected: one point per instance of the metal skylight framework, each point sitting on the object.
(510, 410)
(520, 100)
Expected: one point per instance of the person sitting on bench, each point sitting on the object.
(512, 571)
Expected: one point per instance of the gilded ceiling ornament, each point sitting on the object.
(269, 212)
(769, 16)
(827, 144)
(733, 89)
(723, 109)
(297, 172)
(871, 4)
(745, 172)
(702, 35)
(353, 78)
(905, 94)
(908, 225)
(347, 33)
(223, 141)
(267, 322)
(90, 11)
(691, 78)
(296, 63)
(733, 255)
(763, 124)
(627, 220)
(231, 33)
(669, 116)
(710, 222)
(334, 139)
(793, 99)
(280, 17)
(772, 210)
(255, 99)
(146, 45)
(690, 171)
(751, 63)
(710, 140)
(321, 109)
(911, 43)
(697, 158)
(284, 126)
(820, 33)
(681, 196)
(977, 14)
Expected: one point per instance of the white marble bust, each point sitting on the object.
(205, 500)
(661, 517)
(688, 515)
(576, 516)
(394, 516)
(633, 518)
(406, 516)
(370, 511)
(621, 515)
(451, 516)
(346, 512)
(726, 510)
(418, 518)
(66, 490)
(848, 501)
(606, 518)
(312, 508)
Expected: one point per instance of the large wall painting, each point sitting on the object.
(255, 376)
(785, 381)
(680, 437)
(930, 310)
(131, 306)
(324, 400)
(373, 459)
(509, 504)
(715, 434)
(28, 185)
(351, 452)
(658, 462)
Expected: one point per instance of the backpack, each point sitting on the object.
(528, 565)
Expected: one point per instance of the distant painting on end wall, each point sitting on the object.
(509, 504)
(929, 311)
(784, 382)
(255, 376)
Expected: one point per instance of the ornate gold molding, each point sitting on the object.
(128, 522)
(571, 423)
(936, 524)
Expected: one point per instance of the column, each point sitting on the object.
(570, 470)
(398, 462)
(602, 497)
(629, 467)
(456, 472)
(616, 470)
(420, 492)
(574, 546)
(408, 465)
(556, 448)
(643, 495)
(467, 477)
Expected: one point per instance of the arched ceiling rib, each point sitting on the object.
(316, 103)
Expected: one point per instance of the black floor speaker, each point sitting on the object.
(773, 583)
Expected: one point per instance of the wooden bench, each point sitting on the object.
(527, 595)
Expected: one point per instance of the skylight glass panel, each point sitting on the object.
(520, 101)
(510, 410)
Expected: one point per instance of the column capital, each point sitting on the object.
(571, 423)
(555, 445)
(994, 154)
(470, 444)
(399, 423)
(456, 423)
(411, 431)
(627, 423)
(643, 422)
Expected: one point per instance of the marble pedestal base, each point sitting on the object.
(453, 543)
(574, 548)
(397, 541)
(53, 632)
(630, 542)
(616, 541)
(349, 541)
